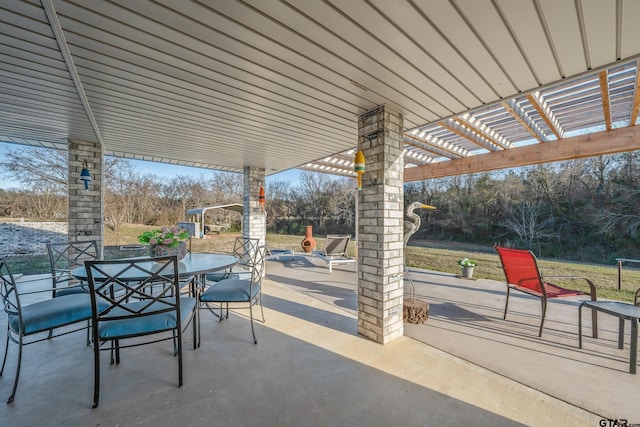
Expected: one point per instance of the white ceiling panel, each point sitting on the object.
(600, 21)
(472, 89)
(630, 30)
(490, 45)
(562, 21)
(225, 84)
(530, 35)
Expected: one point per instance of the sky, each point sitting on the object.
(162, 170)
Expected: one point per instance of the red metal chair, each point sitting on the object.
(522, 274)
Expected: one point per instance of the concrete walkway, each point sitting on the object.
(309, 368)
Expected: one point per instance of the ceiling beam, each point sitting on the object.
(469, 134)
(636, 99)
(604, 90)
(56, 28)
(523, 119)
(428, 146)
(484, 130)
(545, 112)
(595, 144)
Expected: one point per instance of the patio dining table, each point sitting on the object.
(193, 264)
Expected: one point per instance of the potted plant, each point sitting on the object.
(166, 241)
(467, 266)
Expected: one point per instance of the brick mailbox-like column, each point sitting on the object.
(254, 220)
(380, 226)
(85, 205)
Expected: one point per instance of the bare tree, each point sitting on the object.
(526, 220)
(34, 166)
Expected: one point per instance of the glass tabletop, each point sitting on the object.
(191, 265)
(617, 308)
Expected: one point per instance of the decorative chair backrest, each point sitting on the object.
(520, 268)
(257, 264)
(8, 290)
(64, 257)
(69, 255)
(152, 282)
(245, 249)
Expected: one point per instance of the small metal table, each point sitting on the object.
(623, 311)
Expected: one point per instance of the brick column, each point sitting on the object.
(85, 206)
(254, 221)
(380, 226)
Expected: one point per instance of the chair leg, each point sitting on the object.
(253, 332)
(544, 312)
(88, 332)
(196, 325)
(6, 350)
(96, 372)
(175, 343)
(115, 349)
(506, 304)
(179, 334)
(261, 308)
(15, 382)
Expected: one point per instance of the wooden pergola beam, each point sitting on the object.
(538, 102)
(594, 144)
(483, 130)
(466, 133)
(428, 146)
(604, 90)
(636, 100)
(522, 118)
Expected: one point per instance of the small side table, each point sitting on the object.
(623, 311)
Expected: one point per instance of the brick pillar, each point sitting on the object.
(380, 226)
(85, 206)
(254, 221)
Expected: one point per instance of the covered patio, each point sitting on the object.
(310, 366)
(423, 89)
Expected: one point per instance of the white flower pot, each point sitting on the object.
(467, 271)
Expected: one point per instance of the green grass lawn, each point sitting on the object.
(430, 258)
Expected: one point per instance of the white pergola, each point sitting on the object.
(278, 84)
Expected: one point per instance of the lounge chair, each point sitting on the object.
(522, 274)
(336, 251)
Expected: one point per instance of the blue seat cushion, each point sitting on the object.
(54, 313)
(69, 290)
(147, 324)
(230, 290)
(216, 277)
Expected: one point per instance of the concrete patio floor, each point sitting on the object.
(309, 368)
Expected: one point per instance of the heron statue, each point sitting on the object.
(410, 227)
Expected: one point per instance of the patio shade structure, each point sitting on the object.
(198, 214)
(260, 87)
(277, 85)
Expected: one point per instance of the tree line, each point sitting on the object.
(582, 210)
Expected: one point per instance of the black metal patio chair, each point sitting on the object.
(27, 320)
(143, 302)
